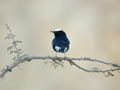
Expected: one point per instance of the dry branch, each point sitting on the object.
(10, 67)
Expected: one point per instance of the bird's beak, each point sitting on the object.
(52, 31)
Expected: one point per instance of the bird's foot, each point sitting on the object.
(65, 58)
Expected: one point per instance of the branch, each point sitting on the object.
(57, 61)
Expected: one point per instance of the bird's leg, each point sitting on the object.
(64, 55)
(56, 54)
(66, 58)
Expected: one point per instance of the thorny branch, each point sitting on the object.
(9, 68)
(56, 61)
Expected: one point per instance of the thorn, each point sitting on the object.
(9, 69)
(28, 60)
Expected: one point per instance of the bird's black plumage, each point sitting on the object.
(60, 43)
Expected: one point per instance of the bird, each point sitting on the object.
(60, 43)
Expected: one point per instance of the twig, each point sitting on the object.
(9, 68)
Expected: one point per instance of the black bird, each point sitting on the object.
(60, 43)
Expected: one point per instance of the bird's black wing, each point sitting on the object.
(62, 43)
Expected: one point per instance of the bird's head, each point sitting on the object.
(58, 32)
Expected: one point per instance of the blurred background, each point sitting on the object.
(93, 27)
